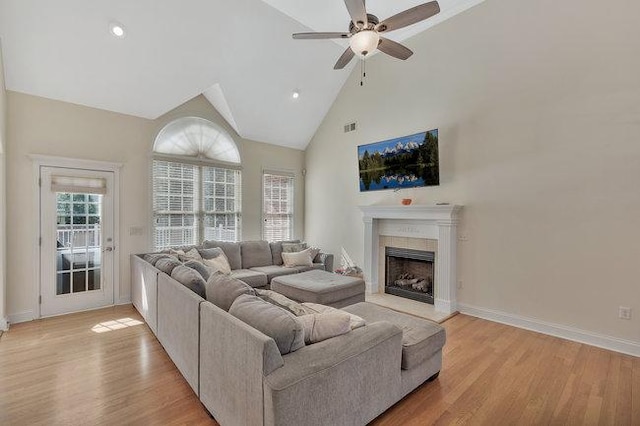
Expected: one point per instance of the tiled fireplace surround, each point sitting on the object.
(419, 227)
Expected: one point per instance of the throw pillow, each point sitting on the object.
(177, 252)
(216, 259)
(293, 247)
(300, 258)
(282, 326)
(276, 250)
(153, 258)
(190, 278)
(222, 290)
(167, 264)
(201, 268)
(192, 254)
(319, 327)
(315, 308)
(282, 301)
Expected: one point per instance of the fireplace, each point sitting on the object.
(409, 273)
(415, 222)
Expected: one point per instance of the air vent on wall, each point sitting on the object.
(350, 127)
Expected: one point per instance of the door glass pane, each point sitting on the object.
(78, 234)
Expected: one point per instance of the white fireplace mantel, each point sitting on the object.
(437, 222)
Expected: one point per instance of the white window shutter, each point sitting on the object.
(278, 206)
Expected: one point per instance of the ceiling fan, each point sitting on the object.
(365, 29)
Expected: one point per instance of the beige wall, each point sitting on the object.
(538, 106)
(3, 203)
(43, 126)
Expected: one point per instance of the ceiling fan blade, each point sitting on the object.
(409, 17)
(357, 12)
(313, 36)
(344, 59)
(394, 49)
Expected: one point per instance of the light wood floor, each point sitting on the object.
(61, 372)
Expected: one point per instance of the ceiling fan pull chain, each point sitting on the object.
(361, 73)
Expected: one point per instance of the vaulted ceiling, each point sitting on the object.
(238, 53)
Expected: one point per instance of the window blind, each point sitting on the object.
(175, 201)
(192, 203)
(78, 185)
(221, 192)
(278, 206)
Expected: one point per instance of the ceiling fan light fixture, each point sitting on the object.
(364, 42)
(116, 29)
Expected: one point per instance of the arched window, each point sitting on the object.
(196, 184)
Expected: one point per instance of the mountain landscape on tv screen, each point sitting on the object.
(404, 162)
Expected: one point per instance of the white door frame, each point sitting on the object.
(52, 161)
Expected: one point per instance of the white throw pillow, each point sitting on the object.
(192, 254)
(216, 259)
(315, 308)
(300, 258)
(319, 327)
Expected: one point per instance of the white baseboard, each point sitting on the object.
(124, 301)
(4, 324)
(628, 347)
(23, 316)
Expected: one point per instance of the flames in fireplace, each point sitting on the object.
(409, 273)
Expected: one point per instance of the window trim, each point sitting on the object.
(284, 173)
(196, 161)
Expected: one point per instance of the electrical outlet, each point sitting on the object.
(459, 283)
(624, 313)
(463, 237)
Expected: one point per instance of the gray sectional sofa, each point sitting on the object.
(241, 377)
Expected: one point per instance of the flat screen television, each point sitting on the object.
(404, 162)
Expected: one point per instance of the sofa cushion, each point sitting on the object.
(274, 271)
(153, 258)
(255, 253)
(231, 250)
(282, 326)
(222, 290)
(253, 278)
(191, 279)
(204, 270)
(167, 264)
(420, 338)
(216, 259)
(276, 250)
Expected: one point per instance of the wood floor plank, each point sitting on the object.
(60, 371)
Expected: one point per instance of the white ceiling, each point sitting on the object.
(239, 53)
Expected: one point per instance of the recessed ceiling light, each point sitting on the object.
(116, 29)
(295, 94)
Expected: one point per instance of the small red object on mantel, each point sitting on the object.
(406, 201)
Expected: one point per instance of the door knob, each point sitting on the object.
(108, 249)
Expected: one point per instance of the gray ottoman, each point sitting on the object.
(321, 287)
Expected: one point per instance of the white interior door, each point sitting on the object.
(77, 241)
